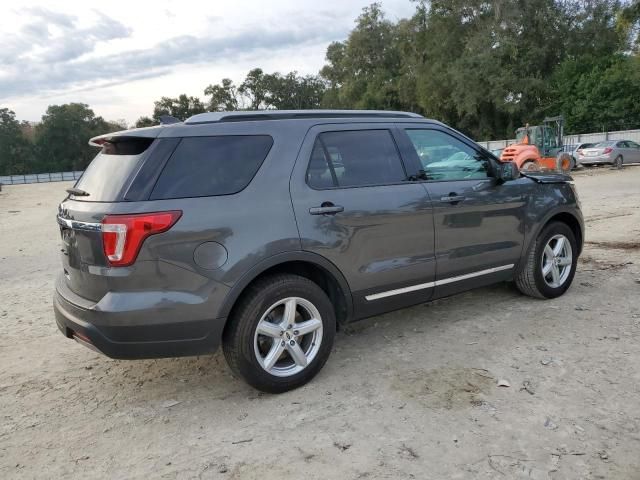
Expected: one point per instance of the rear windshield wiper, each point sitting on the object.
(77, 192)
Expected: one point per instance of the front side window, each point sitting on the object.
(354, 158)
(208, 166)
(443, 157)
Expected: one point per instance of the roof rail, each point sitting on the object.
(246, 116)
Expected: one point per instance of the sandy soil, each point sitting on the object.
(411, 394)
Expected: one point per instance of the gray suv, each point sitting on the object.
(267, 231)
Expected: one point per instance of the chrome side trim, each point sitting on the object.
(77, 225)
(444, 281)
(400, 291)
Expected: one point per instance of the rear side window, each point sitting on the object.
(354, 158)
(209, 166)
(108, 172)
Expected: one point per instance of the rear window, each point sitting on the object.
(107, 173)
(604, 144)
(209, 166)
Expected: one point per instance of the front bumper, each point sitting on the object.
(134, 334)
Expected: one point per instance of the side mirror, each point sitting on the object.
(507, 171)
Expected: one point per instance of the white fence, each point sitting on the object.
(39, 178)
(633, 135)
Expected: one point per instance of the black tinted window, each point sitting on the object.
(107, 174)
(207, 166)
(354, 158)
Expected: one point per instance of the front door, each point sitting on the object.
(355, 207)
(479, 223)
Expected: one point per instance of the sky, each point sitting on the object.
(120, 56)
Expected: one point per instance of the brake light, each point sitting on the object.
(579, 151)
(607, 150)
(122, 235)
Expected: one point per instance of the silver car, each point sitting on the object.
(612, 152)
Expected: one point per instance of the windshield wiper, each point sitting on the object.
(77, 192)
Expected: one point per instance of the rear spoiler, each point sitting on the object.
(123, 135)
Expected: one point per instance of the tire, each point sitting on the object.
(249, 352)
(531, 280)
(529, 166)
(564, 160)
(617, 163)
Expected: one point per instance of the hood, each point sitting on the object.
(548, 177)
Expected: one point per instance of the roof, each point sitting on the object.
(212, 117)
(196, 123)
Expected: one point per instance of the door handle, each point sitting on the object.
(327, 208)
(452, 198)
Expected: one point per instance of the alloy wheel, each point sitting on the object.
(557, 259)
(288, 336)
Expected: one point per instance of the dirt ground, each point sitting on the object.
(411, 394)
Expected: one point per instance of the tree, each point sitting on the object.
(16, 152)
(363, 71)
(62, 137)
(224, 97)
(181, 107)
(629, 23)
(254, 88)
(293, 92)
(145, 121)
(598, 97)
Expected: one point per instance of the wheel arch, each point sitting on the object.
(573, 221)
(306, 264)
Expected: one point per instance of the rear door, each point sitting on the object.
(479, 223)
(355, 207)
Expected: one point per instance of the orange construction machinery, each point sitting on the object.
(539, 147)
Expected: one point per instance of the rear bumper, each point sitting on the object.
(593, 160)
(134, 334)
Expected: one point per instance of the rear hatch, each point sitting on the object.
(99, 191)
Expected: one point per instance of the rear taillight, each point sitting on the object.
(579, 151)
(122, 235)
(607, 150)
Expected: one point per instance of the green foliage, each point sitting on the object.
(61, 139)
(224, 97)
(598, 97)
(16, 153)
(261, 90)
(145, 121)
(365, 71)
(181, 107)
